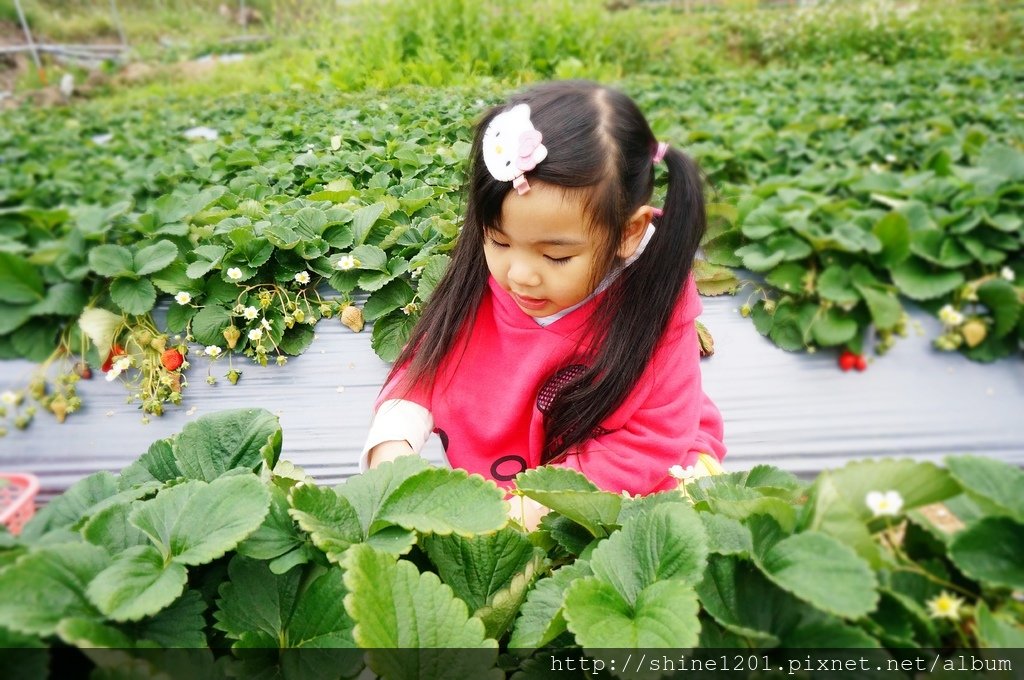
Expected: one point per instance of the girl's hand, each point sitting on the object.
(526, 511)
(385, 451)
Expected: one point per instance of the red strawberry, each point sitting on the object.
(115, 351)
(847, 360)
(860, 363)
(171, 359)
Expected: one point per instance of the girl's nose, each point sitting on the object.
(520, 273)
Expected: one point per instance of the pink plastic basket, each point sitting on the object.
(17, 499)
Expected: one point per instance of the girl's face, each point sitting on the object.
(544, 254)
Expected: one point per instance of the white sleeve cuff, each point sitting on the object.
(398, 420)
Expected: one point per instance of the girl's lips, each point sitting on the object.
(529, 303)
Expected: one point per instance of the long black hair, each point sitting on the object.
(600, 149)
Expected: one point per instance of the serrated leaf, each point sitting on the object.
(663, 615)
(668, 542)
(478, 567)
(819, 569)
(995, 631)
(787, 277)
(541, 617)
(255, 599)
(179, 626)
(444, 501)
(366, 492)
(995, 481)
(278, 533)
(110, 260)
(729, 587)
(893, 230)
(63, 299)
(885, 307)
(393, 605)
(222, 441)
(433, 271)
(329, 519)
(209, 323)
(288, 610)
(503, 605)
(758, 257)
(1003, 301)
(49, 584)
(90, 634)
(390, 335)
(111, 529)
(363, 219)
(392, 296)
(834, 284)
(138, 583)
(194, 523)
(155, 257)
(725, 497)
(832, 327)
(918, 281)
(919, 483)
(991, 551)
(133, 296)
(726, 536)
(569, 493)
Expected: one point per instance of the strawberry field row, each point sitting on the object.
(841, 190)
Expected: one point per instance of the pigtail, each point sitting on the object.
(635, 314)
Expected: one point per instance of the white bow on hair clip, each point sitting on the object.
(512, 147)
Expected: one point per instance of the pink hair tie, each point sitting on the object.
(657, 212)
(660, 153)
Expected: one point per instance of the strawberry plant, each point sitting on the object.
(211, 541)
(841, 192)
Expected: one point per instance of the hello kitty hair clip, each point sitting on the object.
(512, 147)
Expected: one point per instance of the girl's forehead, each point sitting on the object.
(546, 212)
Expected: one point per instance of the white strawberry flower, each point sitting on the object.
(681, 473)
(1007, 274)
(884, 503)
(183, 298)
(890, 158)
(255, 334)
(212, 351)
(235, 274)
(950, 316)
(302, 277)
(265, 323)
(119, 367)
(250, 313)
(347, 262)
(411, 308)
(9, 398)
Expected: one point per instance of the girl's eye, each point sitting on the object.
(496, 244)
(558, 260)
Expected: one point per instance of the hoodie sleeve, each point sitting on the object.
(666, 421)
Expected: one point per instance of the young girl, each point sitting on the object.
(563, 331)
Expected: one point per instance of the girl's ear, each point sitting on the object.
(636, 227)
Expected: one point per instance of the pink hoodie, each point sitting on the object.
(488, 402)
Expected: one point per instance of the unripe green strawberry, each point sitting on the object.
(352, 317)
(231, 335)
(974, 332)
